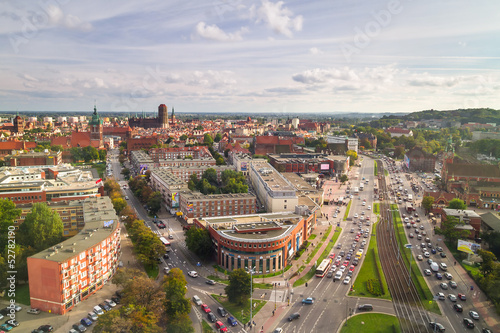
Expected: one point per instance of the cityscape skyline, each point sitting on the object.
(243, 56)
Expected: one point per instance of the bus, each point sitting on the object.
(410, 197)
(361, 186)
(409, 208)
(356, 191)
(323, 267)
(166, 243)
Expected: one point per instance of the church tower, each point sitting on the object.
(173, 116)
(96, 130)
(163, 116)
(18, 125)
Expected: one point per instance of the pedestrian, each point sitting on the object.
(455, 263)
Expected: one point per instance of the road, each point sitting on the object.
(451, 319)
(331, 305)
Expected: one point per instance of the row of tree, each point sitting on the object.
(141, 189)
(148, 306)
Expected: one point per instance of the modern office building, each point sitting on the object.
(62, 276)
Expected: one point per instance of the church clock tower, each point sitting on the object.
(96, 130)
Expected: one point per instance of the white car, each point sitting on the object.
(427, 255)
(443, 266)
(347, 280)
(369, 207)
(193, 274)
(364, 203)
(356, 215)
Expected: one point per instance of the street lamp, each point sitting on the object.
(252, 270)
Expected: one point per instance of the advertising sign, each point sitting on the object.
(175, 200)
(468, 247)
(407, 162)
(244, 166)
(325, 166)
(143, 168)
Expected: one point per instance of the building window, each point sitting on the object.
(274, 263)
(246, 263)
(239, 262)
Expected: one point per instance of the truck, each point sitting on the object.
(361, 186)
(356, 191)
(434, 267)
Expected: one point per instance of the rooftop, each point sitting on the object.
(96, 211)
(460, 212)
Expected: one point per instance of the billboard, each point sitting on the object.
(143, 168)
(175, 200)
(244, 166)
(407, 162)
(468, 247)
(325, 166)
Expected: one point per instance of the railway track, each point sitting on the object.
(412, 316)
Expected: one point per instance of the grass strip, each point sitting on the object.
(206, 327)
(347, 210)
(375, 169)
(316, 249)
(240, 311)
(371, 269)
(323, 255)
(376, 208)
(423, 290)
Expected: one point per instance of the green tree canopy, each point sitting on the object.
(489, 262)
(238, 289)
(353, 157)
(207, 139)
(41, 228)
(198, 240)
(218, 137)
(450, 231)
(457, 204)
(493, 240)
(344, 179)
(8, 214)
(154, 202)
(176, 303)
(427, 202)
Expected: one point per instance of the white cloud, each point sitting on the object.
(58, 18)
(425, 79)
(315, 50)
(29, 78)
(280, 19)
(213, 32)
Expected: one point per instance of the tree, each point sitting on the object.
(126, 172)
(457, 204)
(183, 137)
(399, 151)
(8, 214)
(493, 240)
(207, 139)
(449, 230)
(41, 228)
(427, 203)
(180, 324)
(3, 273)
(344, 179)
(56, 148)
(102, 154)
(353, 157)
(489, 262)
(154, 202)
(238, 289)
(119, 204)
(220, 161)
(218, 137)
(148, 246)
(210, 175)
(176, 303)
(198, 240)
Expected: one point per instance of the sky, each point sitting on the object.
(245, 56)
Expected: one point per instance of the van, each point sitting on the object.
(338, 276)
(98, 310)
(365, 307)
(434, 267)
(197, 300)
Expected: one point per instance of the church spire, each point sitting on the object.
(95, 107)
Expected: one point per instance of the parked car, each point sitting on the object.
(105, 306)
(79, 328)
(34, 311)
(98, 310)
(86, 321)
(110, 303)
(92, 316)
(46, 328)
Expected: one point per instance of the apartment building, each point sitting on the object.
(169, 185)
(275, 192)
(64, 275)
(197, 205)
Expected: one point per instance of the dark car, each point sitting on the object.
(119, 293)
(46, 328)
(221, 311)
(211, 282)
(115, 299)
(165, 256)
(468, 323)
(442, 254)
(79, 327)
(12, 322)
(293, 316)
(105, 306)
(211, 317)
(458, 307)
(231, 321)
(437, 326)
(86, 321)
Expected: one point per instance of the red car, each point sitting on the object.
(462, 297)
(352, 268)
(205, 308)
(332, 256)
(220, 326)
(346, 263)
